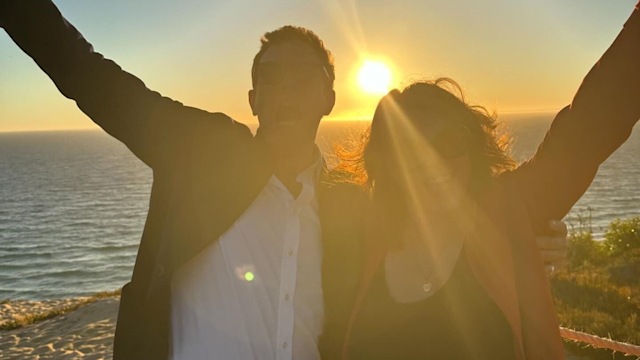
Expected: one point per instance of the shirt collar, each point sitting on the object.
(312, 173)
(307, 177)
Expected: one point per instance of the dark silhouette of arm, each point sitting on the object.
(584, 134)
(157, 129)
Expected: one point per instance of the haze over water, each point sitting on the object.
(73, 204)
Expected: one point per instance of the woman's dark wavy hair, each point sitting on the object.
(489, 148)
(441, 99)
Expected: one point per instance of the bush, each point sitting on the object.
(625, 269)
(583, 250)
(623, 236)
(599, 292)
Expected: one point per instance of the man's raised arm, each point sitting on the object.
(155, 128)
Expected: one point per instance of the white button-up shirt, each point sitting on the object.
(256, 293)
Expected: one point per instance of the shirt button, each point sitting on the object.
(290, 253)
(285, 345)
(286, 297)
(427, 287)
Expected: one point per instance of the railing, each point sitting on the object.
(598, 342)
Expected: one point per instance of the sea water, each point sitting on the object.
(73, 204)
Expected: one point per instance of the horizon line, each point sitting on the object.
(93, 127)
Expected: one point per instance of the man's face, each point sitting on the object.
(292, 93)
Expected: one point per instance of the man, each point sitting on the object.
(256, 292)
(231, 264)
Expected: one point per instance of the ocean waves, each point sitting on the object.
(73, 205)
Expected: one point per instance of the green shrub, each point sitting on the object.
(625, 269)
(591, 290)
(623, 236)
(583, 250)
(599, 291)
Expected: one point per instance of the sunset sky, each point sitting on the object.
(508, 55)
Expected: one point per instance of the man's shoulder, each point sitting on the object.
(214, 133)
(214, 120)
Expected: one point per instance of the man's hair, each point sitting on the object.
(290, 33)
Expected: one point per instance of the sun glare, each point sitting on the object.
(374, 77)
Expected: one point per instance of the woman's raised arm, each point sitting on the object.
(584, 134)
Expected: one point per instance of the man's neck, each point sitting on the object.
(289, 166)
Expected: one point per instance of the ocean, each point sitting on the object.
(73, 204)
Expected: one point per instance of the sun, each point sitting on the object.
(374, 77)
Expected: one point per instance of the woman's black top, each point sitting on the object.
(459, 321)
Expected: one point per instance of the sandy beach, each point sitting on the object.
(86, 333)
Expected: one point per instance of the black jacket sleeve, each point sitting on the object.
(157, 129)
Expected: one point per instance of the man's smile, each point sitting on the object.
(287, 115)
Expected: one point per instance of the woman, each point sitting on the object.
(452, 270)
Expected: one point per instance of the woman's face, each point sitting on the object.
(432, 168)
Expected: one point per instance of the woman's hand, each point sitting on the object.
(554, 247)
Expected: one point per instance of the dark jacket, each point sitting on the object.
(207, 169)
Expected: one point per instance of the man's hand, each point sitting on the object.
(554, 247)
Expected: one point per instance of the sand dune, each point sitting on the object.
(86, 333)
